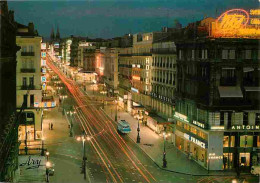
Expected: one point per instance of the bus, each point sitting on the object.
(123, 127)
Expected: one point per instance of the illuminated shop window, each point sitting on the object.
(258, 141)
(246, 141)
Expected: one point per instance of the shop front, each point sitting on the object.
(157, 124)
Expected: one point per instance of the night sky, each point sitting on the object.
(111, 18)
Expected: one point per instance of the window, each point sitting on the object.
(245, 118)
(31, 100)
(228, 73)
(24, 81)
(248, 54)
(180, 54)
(246, 141)
(257, 118)
(192, 54)
(30, 48)
(258, 141)
(24, 64)
(31, 81)
(221, 118)
(25, 100)
(31, 66)
(232, 54)
(224, 54)
(225, 141)
(24, 49)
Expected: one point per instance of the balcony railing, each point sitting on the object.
(25, 70)
(27, 53)
(27, 87)
(163, 50)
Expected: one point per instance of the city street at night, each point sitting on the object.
(137, 91)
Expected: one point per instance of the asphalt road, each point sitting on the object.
(112, 157)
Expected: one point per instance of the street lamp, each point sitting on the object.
(83, 138)
(47, 155)
(138, 132)
(42, 153)
(164, 151)
(116, 111)
(48, 166)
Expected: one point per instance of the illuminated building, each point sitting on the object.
(86, 56)
(217, 109)
(29, 89)
(8, 123)
(163, 77)
(125, 61)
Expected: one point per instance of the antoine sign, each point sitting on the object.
(245, 127)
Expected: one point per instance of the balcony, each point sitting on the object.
(27, 53)
(30, 70)
(163, 50)
(27, 87)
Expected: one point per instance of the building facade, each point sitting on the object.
(8, 115)
(29, 89)
(217, 105)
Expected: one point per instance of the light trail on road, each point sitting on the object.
(109, 145)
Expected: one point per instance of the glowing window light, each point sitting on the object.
(136, 78)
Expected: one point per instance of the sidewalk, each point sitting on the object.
(152, 144)
(64, 150)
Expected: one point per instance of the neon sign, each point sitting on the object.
(236, 23)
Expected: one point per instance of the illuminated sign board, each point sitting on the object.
(43, 54)
(198, 124)
(43, 79)
(181, 116)
(44, 104)
(44, 86)
(56, 45)
(237, 23)
(136, 78)
(44, 70)
(134, 89)
(43, 62)
(245, 127)
(194, 140)
(43, 46)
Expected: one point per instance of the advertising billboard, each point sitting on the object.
(43, 46)
(56, 45)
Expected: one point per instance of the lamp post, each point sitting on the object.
(47, 155)
(116, 111)
(164, 151)
(138, 132)
(42, 152)
(48, 165)
(83, 138)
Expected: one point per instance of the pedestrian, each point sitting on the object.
(51, 126)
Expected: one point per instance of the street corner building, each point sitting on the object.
(217, 109)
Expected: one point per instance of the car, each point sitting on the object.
(123, 127)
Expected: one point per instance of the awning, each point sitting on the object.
(248, 69)
(248, 89)
(230, 92)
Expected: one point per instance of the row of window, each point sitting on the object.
(29, 48)
(27, 64)
(30, 79)
(165, 62)
(244, 141)
(223, 54)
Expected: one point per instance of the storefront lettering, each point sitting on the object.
(194, 140)
(198, 124)
(181, 116)
(31, 163)
(214, 156)
(245, 127)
